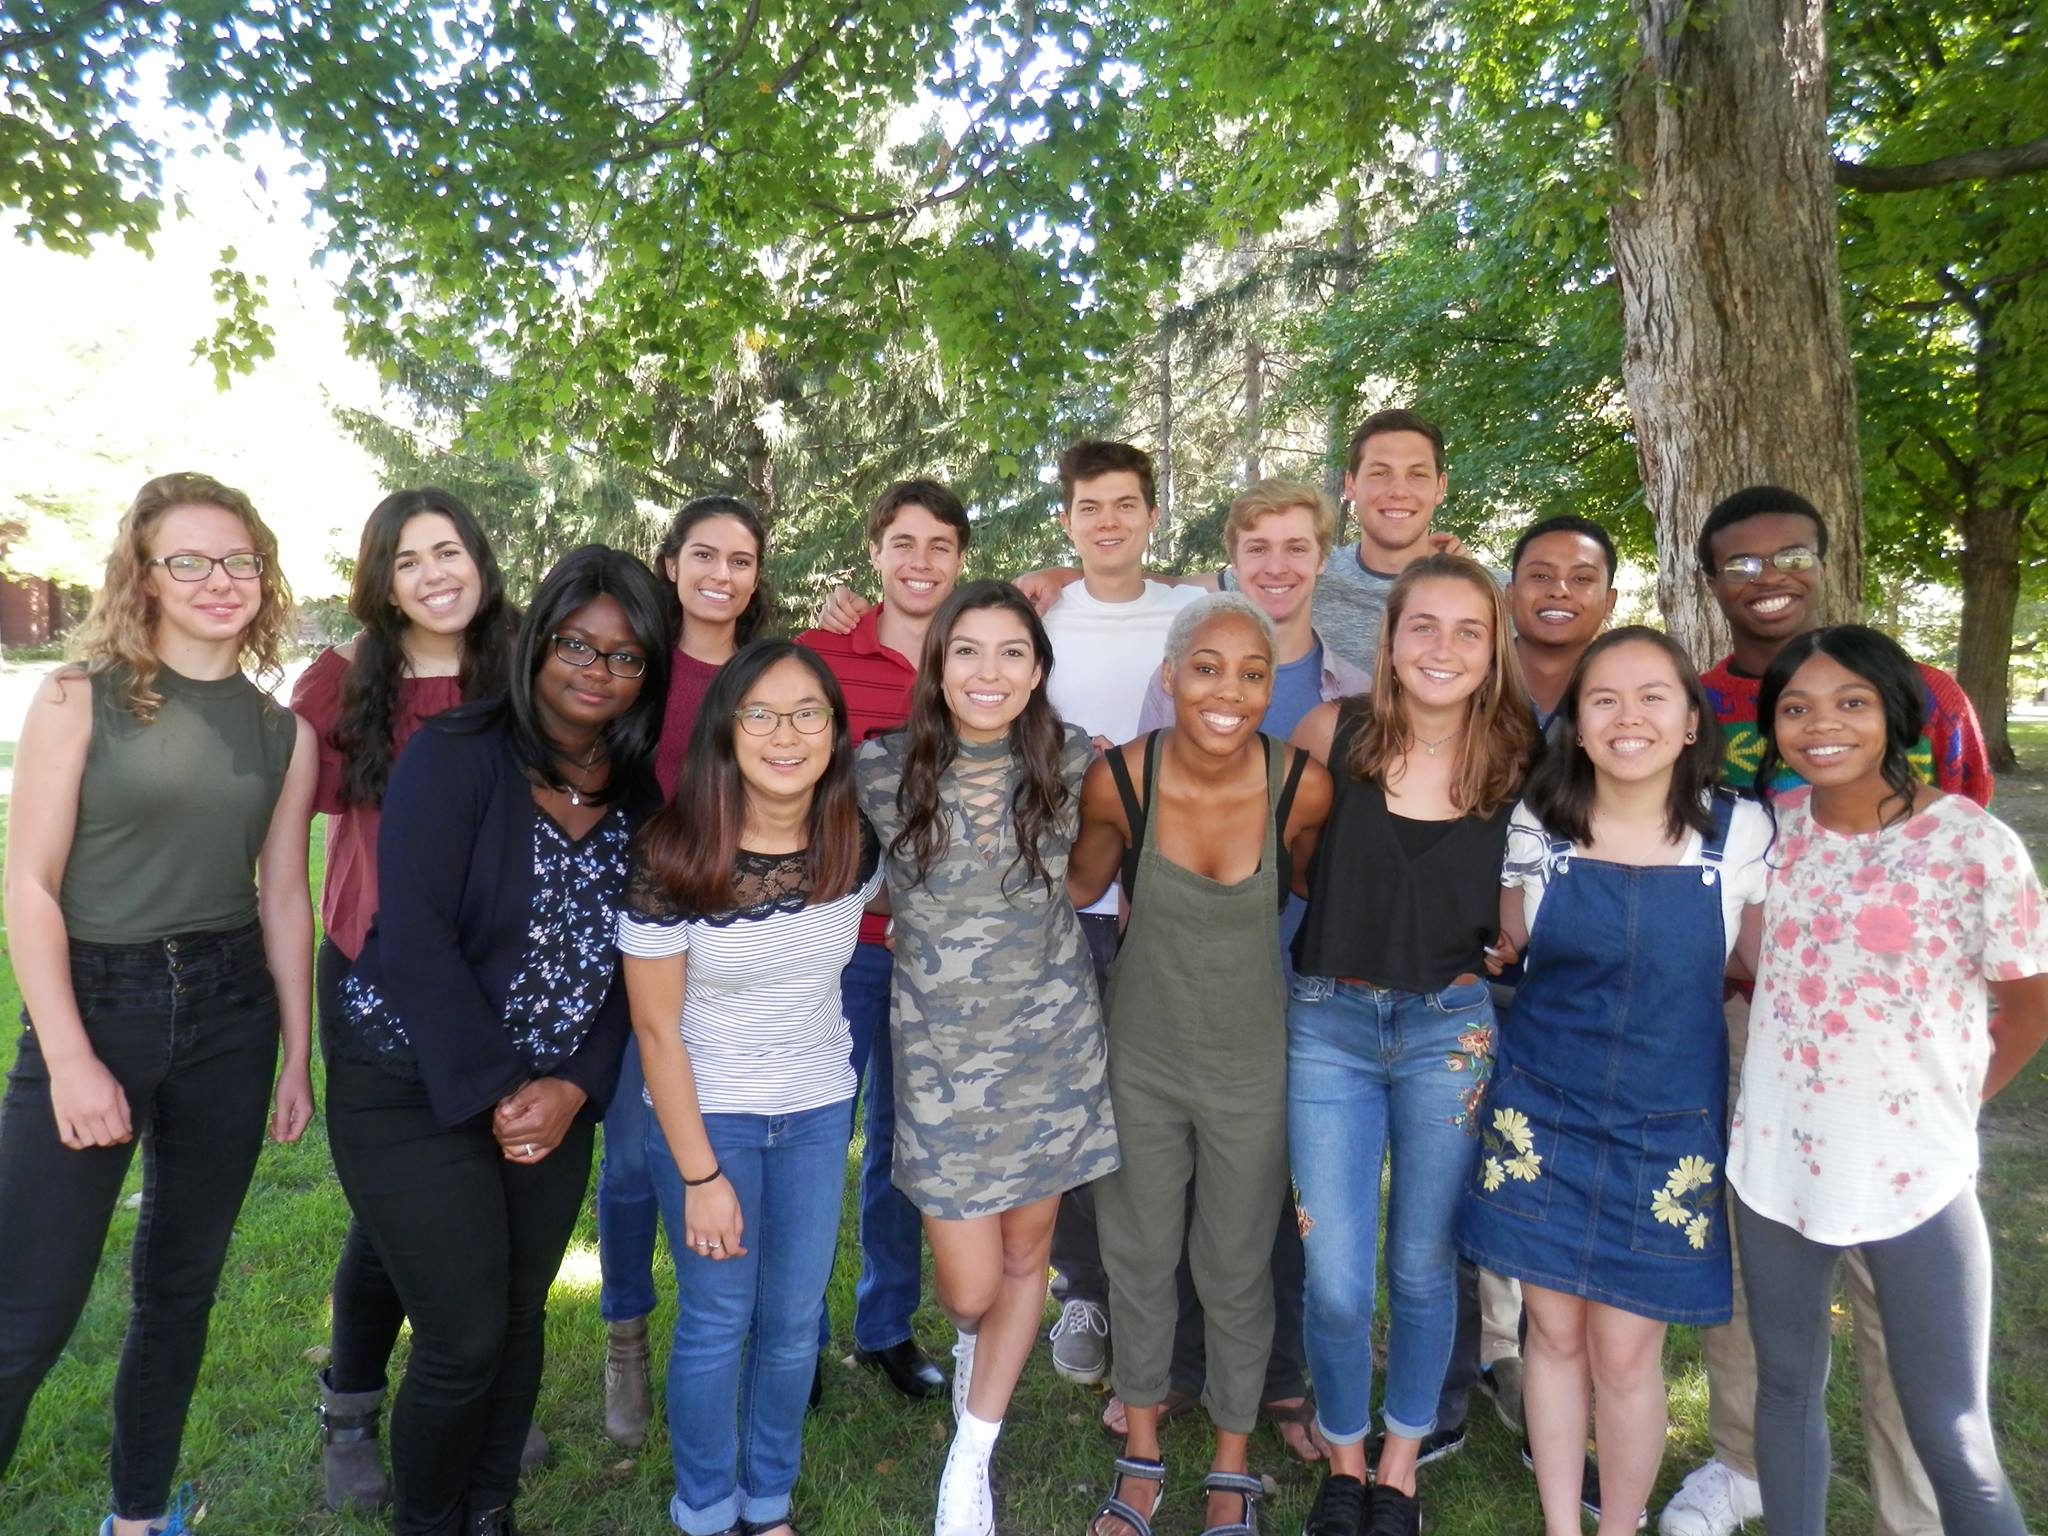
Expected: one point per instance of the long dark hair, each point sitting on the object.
(369, 689)
(1037, 737)
(690, 846)
(760, 607)
(1881, 662)
(581, 577)
(1561, 786)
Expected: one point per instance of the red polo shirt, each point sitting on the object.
(876, 682)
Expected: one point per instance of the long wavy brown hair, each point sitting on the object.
(120, 631)
(1037, 738)
(1500, 728)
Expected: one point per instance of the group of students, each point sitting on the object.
(1147, 968)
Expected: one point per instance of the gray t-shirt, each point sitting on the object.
(1350, 606)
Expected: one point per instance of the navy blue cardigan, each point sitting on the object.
(455, 895)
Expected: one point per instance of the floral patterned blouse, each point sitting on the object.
(570, 959)
(1868, 1040)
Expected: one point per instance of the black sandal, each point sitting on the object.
(1153, 1472)
(1246, 1487)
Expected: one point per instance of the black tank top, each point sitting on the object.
(1377, 912)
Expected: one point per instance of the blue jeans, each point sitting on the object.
(1373, 1071)
(628, 1215)
(890, 1228)
(739, 1369)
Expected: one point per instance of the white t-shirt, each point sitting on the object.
(1103, 656)
(761, 1010)
(1868, 1038)
(1745, 872)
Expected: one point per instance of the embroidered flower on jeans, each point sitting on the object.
(1491, 1174)
(1511, 1150)
(1696, 1231)
(1513, 1126)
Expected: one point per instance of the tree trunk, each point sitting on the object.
(1254, 408)
(1991, 598)
(1735, 357)
(1164, 488)
(1340, 423)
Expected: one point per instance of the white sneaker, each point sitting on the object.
(963, 1370)
(1714, 1500)
(967, 1507)
(1080, 1342)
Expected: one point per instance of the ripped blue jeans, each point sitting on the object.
(1375, 1073)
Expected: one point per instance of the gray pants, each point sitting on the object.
(1934, 1291)
(1234, 1152)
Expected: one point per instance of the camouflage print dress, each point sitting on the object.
(1001, 1092)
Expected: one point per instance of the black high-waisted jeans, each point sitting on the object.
(188, 1027)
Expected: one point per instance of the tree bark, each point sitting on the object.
(1164, 490)
(1736, 356)
(1339, 426)
(1991, 599)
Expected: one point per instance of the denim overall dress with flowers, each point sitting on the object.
(1604, 1133)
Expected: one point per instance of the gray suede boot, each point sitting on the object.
(348, 1448)
(628, 1402)
(534, 1454)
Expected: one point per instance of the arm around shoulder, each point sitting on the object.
(1104, 836)
(1318, 731)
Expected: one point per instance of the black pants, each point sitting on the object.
(367, 1311)
(1076, 1248)
(188, 1027)
(472, 1242)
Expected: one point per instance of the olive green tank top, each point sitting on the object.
(171, 815)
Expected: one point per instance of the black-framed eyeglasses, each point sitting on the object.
(1749, 567)
(581, 653)
(756, 720)
(243, 565)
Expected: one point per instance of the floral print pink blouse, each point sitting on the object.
(1868, 1043)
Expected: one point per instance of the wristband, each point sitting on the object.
(715, 1172)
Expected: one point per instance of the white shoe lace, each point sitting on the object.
(963, 1371)
(966, 1506)
(1714, 1500)
(1080, 1315)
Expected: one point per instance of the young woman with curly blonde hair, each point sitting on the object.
(162, 936)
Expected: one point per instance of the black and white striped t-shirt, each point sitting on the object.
(761, 1011)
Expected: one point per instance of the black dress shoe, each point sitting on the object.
(906, 1368)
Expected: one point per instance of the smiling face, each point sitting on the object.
(219, 607)
(573, 702)
(435, 584)
(918, 558)
(1561, 593)
(1109, 523)
(1777, 604)
(1277, 560)
(1222, 685)
(1634, 715)
(716, 571)
(991, 672)
(1394, 488)
(787, 762)
(1443, 643)
(1830, 724)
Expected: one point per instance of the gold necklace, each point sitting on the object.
(1431, 746)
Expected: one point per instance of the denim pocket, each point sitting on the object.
(1518, 1144)
(1681, 1210)
(1310, 989)
(1456, 999)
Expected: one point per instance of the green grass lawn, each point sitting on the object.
(871, 1462)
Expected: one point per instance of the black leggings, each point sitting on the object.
(472, 1243)
(367, 1311)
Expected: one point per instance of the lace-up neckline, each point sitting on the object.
(982, 773)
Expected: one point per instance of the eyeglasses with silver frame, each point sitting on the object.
(581, 653)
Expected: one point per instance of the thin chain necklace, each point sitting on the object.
(575, 790)
(1431, 747)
